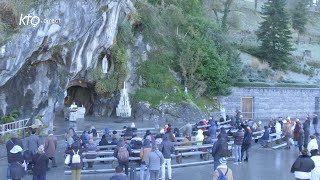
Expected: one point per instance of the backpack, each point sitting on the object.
(75, 157)
(221, 175)
(123, 154)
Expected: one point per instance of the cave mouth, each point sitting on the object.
(82, 93)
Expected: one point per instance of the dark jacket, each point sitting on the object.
(296, 132)
(33, 143)
(306, 128)
(207, 140)
(119, 176)
(9, 145)
(315, 120)
(224, 135)
(166, 147)
(219, 149)
(40, 164)
(247, 140)
(303, 164)
(213, 130)
(301, 137)
(121, 144)
(265, 135)
(238, 137)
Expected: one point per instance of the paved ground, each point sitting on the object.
(264, 164)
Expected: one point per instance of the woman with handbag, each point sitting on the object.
(18, 166)
(40, 164)
(144, 153)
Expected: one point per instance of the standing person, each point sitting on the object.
(302, 166)
(167, 148)
(315, 122)
(238, 140)
(154, 162)
(40, 164)
(278, 128)
(301, 138)
(306, 129)
(287, 133)
(50, 147)
(32, 142)
(122, 153)
(296, 132)
(119, 175)
(213, 130)
(247, 140)
(315, 157)
(223, 170)
(219, 150)
(11, 156)
(144, 153)
(76, 163)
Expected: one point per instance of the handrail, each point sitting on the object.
(13, 126)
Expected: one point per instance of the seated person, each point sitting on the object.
(103, 142)
(119, 175)
(136, 142)
(114, 135)
(91, 146)
(265, 137)
(128, 134)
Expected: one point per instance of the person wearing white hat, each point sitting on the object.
(223, 170)
(11, 157)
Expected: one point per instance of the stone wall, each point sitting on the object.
(274, 102)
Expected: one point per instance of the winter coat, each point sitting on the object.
(50, 145)
(213, 130)
(40, 164)
(265, 135)
(238, 137)
(301, 137)
(287, 130)
(218, 149)
(199, 137)
(247, 140)
(144, 153)
(315, 173)
(278, 129)
(296, 132)
(302, 167)
(312, 145)
(207, 140)
(224, 135)
(155, 160)
(91, 147)
(166, 147)
(9, 145)
(119, 145)
(223, 169)
(119, 176)
(17, 170)
(33, 143)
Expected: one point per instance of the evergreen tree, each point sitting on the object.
(300, 17)
(275, 35)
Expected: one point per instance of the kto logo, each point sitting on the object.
(26, 20)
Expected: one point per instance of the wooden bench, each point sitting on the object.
(273, 137)
(257, 134)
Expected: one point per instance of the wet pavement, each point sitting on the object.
(264, 163)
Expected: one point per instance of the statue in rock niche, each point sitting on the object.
(105, 65)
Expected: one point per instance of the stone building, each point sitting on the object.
(266, 102)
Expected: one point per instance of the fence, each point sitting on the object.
(14, 126)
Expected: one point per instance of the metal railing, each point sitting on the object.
(14, 126)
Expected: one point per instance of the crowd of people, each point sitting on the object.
(33, 157)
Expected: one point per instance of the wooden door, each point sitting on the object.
(247, 107)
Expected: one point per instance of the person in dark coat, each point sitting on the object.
(124, 164)
(306, 129)
(315, 122)
(128, 133)
(91, 147)
(302, 166)
(301, 138)
(11, 157)
(296, 131)
(265, 137)
(213, 130)
(224, 134)
(119, 175)
(238, 140)
(40, 164)
(219, 150)
(103, 142)
(75, 167)
(50, 147)
(247, 140)
(166, 148)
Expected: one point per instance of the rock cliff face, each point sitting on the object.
(39, 62)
